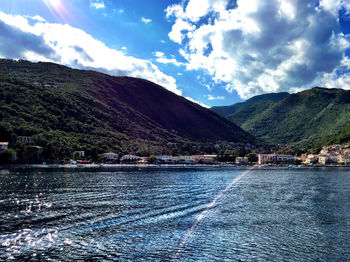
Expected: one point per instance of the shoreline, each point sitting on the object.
(99, 167)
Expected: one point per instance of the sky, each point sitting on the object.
(213, 52)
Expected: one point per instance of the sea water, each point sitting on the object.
(175, 214)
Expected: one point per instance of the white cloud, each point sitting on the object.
(120, 11)
(333, 80)
(197, 102)
(208, 87)
(259, 46)
(161, 58)
(159, 54)
(210, 97)
(67, 45)
(146, 20)
(38, 18)
(98, 4)
(178, 29)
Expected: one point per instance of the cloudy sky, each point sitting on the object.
(215, 52)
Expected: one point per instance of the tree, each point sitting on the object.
(49, 153)
(93, 153)
(226, 156)
(76, 156)
(152, 159)
(252, 157)
(7, 156)
(298, 162)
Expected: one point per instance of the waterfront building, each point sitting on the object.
(265, 158)
(110, 157)
(275, 158)
(183, 160)
(130, 158)
(4, 145)
(334, 157)
(24, 139)
(241, 160)
(204, 159)
(311, 159)
(344, 159)
(328, 159)
(322, 159)
(79, 153)
(189, 159)
(164, 159)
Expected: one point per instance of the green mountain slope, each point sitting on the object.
(299, 120)
(248, 105)
(77, 109)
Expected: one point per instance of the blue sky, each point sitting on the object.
(214, 52)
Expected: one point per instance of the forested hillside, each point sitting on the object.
(301, 121)
(64, 110)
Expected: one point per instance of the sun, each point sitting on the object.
(52, 3)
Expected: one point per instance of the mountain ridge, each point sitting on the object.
(83, 109)
(300, 120)
(226, 111)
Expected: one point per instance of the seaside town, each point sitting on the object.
(333, 155)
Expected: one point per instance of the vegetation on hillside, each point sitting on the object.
(299, 122)
(64, 110)
(260, 101)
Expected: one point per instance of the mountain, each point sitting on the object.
(249, 105)
(71, 109)
(307, 119)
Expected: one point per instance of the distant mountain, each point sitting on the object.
(77, 109)
(248, 105)
(302, 120)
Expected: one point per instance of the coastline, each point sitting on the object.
(121, 167)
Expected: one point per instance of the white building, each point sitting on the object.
(333, 158)
(4, 145)
(164, 159)
(79, 153)
(344, 159)
(310, 159)
(330, 158)
(273, 158)
(24, 139)
(264, 158)
(110, 156)
(285, 158)
(204, 159)
(130, 158)
(328, 149)
(183, 159)
(322, 159)
(189, 159)
(241, 160)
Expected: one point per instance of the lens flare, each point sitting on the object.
(57, 9)
(54, 3)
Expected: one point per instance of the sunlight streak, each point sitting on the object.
(57, 8)
(203, 214)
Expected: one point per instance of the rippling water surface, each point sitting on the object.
(203, 214)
